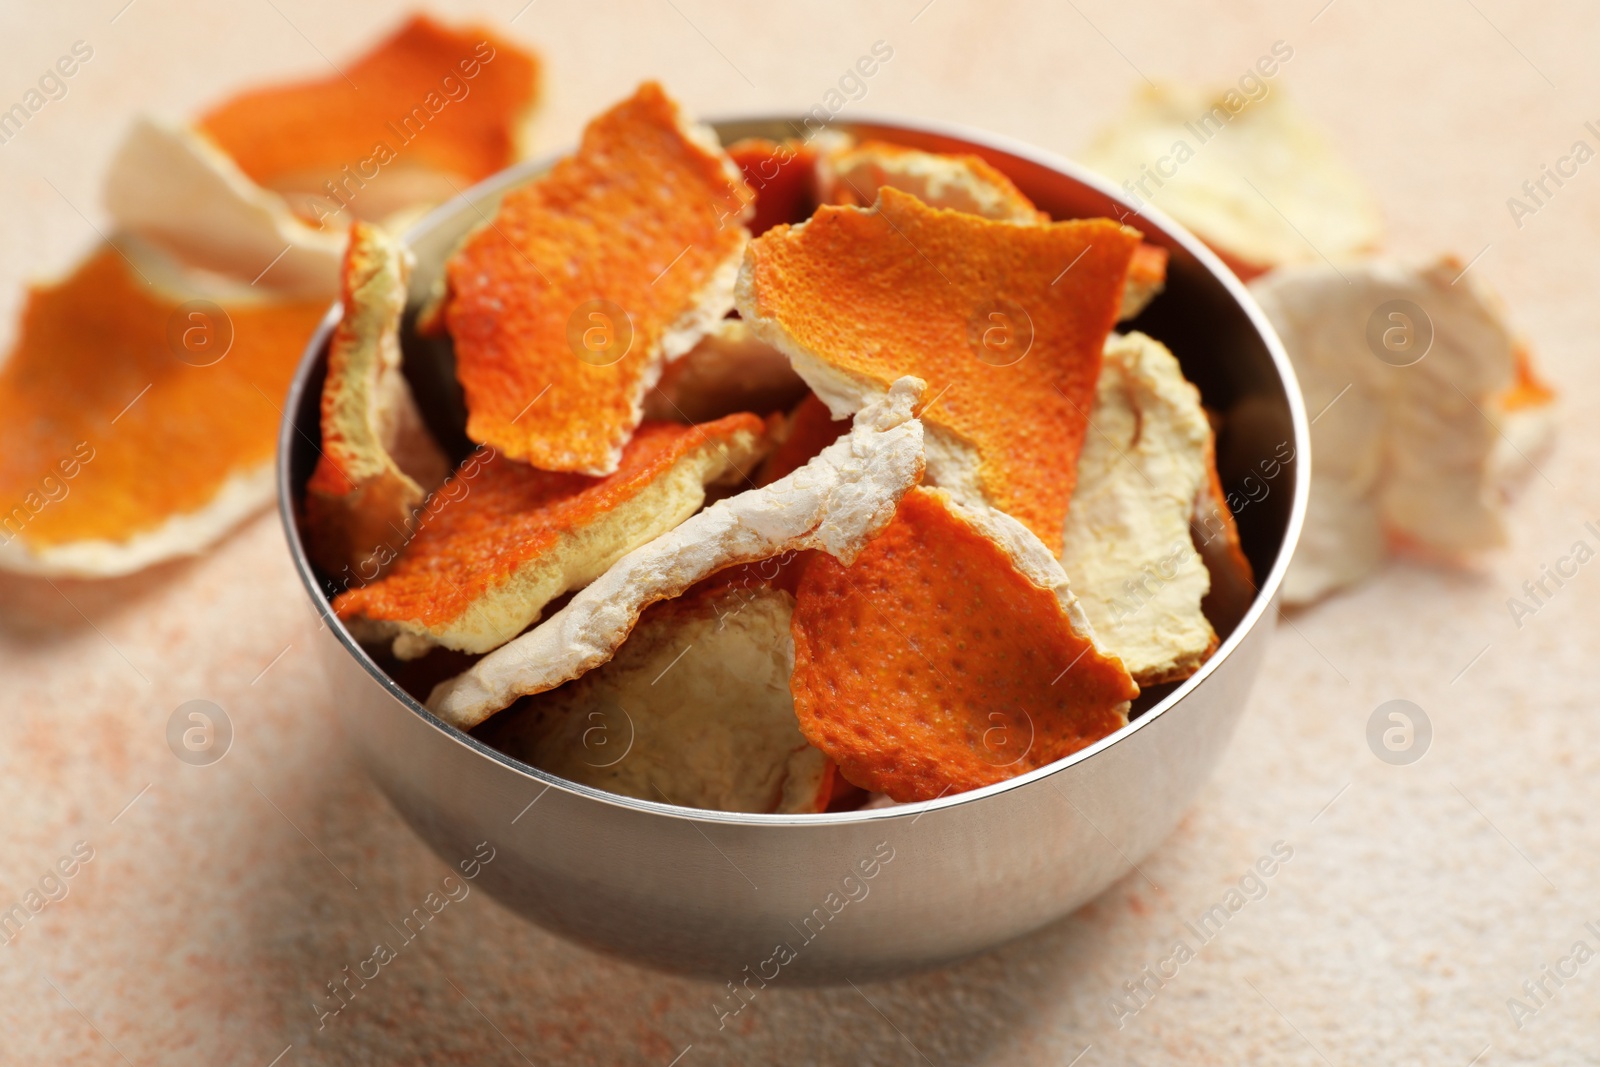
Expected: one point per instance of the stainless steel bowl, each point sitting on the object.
(820, 898)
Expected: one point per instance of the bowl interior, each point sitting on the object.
(1204, 316)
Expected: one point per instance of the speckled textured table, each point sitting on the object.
(220, 900)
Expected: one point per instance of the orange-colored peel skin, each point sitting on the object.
(640, 217)
(87, 349)
(321, 125)
(812, 428)
(502, 514)
(782, 176)
(932, 665)
(908, 289)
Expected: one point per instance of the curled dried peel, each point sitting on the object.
(855, 298)
(1413, 450)
(502, 539)
(834, 503)
(694, 709)
(117, 449)
(590, 279)
(377, 461)
(729, 370)
(177, 190)
(428, 108)
(1254, 179)
(949, 655)
(1127, 544)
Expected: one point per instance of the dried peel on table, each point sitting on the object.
(136, 425)
(170, 186)
(835, 503)
(425, 112)
(983, 311)
(1254, 179)
(505, 539)
(949, 655)
(694, 709)
(377, 461)
(589, 279)
(1414, 414)
(729, 370)
(1128, 547)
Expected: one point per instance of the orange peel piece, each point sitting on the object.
(377, 461)
(1128, 544)
(119, 449)
(429, 107)
(949, 656)
(694, 709)
(174, 188)
(782, 175)
(963, 183)
(809, 429)
(590, 279)
(730, 370)
(504, 539)
(853, 175)
(1004, 322)
(835, 503)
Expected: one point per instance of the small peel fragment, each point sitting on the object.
(1147, 276)
(962, 183)
(1128, 545)
(506, 538)
(694, 709)
(118, 449)
(177, 190)
(377, 462)
(1254, 179)
(949, 655)
(809, 429)
(428, 110)
(1414, 452)
(834, 503)
(730, 370)
(590, 279)
(986, 312)
(782, 175)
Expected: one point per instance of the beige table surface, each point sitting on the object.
(1418, 898)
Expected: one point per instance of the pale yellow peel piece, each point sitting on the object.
(694, 709)
(1127, 545)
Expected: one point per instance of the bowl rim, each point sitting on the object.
(1266, 591)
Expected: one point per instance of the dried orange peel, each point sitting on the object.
(694, 709)
(1005, 323)
(853, 174)
(809, 429)
(834, 503)
(136, 425)
(377, 461)
(948, 656)
(506, 538)
(1128, 545)
(589, 279)
(175, 189)
(428, 109)
(782, 176)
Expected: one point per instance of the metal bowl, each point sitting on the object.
(822, 898)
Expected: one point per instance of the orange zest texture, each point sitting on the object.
(1004, 322)
(434, 96)
(588, 279)
(102, 381)
(500, 539)
(931, 665)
